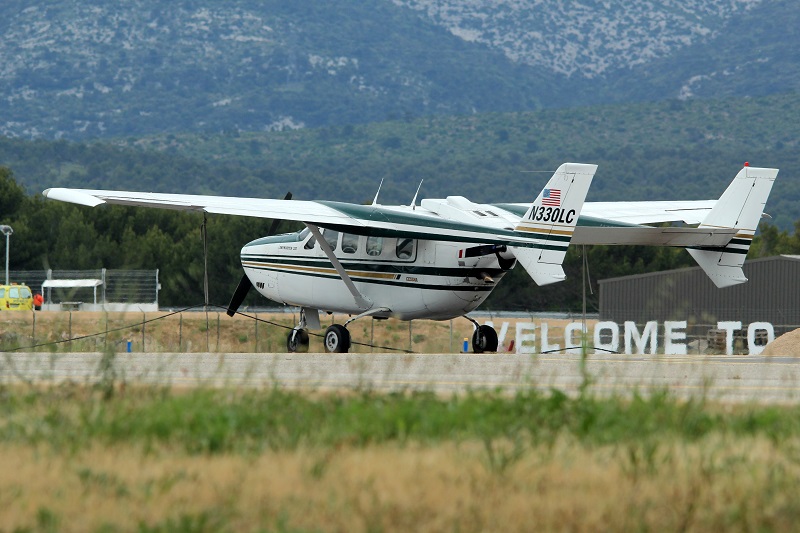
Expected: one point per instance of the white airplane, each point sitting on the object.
(440, 260)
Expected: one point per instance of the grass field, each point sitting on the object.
(78, 459)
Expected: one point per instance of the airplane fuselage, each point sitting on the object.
(414, 278)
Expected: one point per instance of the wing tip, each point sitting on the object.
(73, 196)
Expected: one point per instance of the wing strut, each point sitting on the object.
(361, 301)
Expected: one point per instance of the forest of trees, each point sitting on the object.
(50, 234)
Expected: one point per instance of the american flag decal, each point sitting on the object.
(551, 197)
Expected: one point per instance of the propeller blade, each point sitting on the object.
(239, 295)
(245, 284)
(274, 227)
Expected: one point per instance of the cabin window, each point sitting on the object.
(302, 234)
(330, 237)
(2, 293)
(374, 246)
(13, 292)
(405, 248)
(311, 242)
(349, 243)
(26, 292)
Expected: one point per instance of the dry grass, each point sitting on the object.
(708, 485)
(216, 332)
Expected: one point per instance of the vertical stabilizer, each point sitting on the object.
(551, 220)
(740, 207)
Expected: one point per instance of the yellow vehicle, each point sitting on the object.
(15, 297)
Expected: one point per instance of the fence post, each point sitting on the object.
(180, 333)
(451, 335)
(70, 331)
(33, 330)
(217, 332)
(256, 321)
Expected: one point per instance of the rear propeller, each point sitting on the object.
(245, 284)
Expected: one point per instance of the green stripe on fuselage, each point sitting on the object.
(391, 268)
(496, 274)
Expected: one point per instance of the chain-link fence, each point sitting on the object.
(110, 290)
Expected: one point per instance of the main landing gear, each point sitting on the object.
(484, 338)
(337, 337)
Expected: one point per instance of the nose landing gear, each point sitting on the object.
(297, 341)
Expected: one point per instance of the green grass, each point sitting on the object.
(210, 421)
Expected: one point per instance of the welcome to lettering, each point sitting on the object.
(610, 337)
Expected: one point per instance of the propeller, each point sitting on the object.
(245, 284)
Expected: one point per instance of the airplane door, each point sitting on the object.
(444, 257)
(428, 252)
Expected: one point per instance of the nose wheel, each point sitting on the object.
(337, 339)
(297, 341)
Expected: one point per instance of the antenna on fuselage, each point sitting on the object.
(414, 200)
(375, 201)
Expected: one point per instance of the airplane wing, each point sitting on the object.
(391, 221)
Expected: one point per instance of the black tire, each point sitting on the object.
(484, 339)
(297, 341)
(337, 339)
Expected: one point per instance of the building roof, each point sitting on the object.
(62, 283)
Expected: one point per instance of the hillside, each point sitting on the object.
(145, 66)
(670, 150)
(95, 69)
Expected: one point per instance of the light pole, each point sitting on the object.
(7, 231)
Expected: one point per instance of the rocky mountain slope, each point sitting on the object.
(96, 69)
(585, 39)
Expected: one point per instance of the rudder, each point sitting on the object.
(551, 219)
(740, 207)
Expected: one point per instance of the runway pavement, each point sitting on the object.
(724, 378)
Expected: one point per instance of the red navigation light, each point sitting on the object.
(746, 164)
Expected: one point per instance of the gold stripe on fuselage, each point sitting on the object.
(319, 270)
(544, 230)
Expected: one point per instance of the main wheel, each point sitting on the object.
(337, 339)
(484, 339)
(297, 341)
